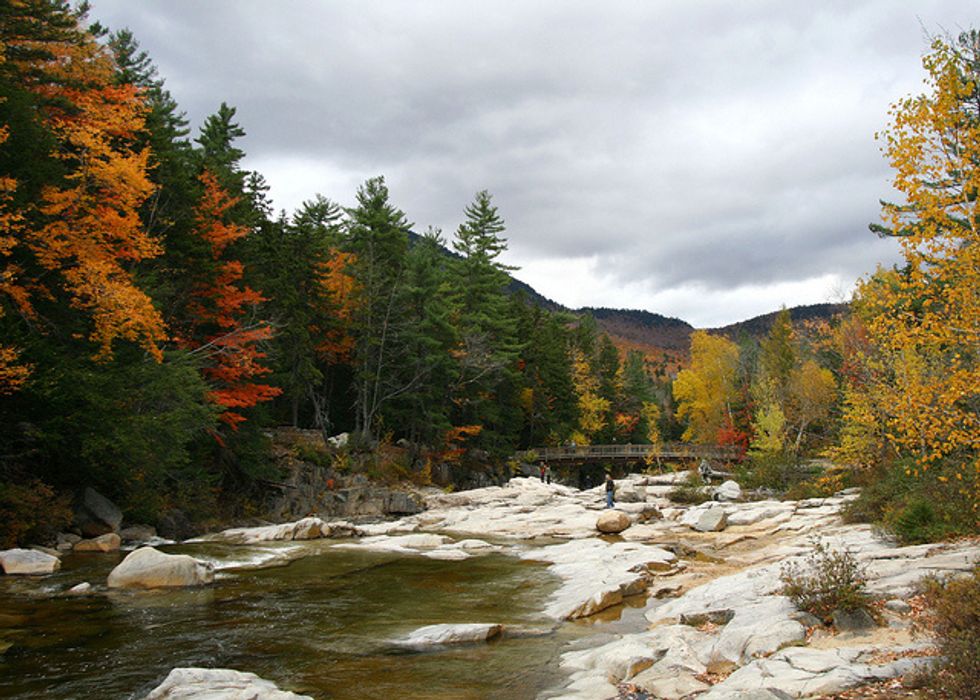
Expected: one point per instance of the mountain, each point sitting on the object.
(664, 340)
(759, 326)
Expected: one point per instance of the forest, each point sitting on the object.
(158, 318)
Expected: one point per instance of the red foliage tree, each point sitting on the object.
(222, 324)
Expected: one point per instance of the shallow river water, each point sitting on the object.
(320, 625)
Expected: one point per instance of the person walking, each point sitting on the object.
(610, 490)
(542, 468)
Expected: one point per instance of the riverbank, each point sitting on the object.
(698, 611)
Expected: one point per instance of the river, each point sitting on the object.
(321, 625)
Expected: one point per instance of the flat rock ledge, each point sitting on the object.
(443, 635)
(218, 684)
(148, 568)
(28, 562)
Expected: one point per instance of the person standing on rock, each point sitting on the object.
(543, 469)
(610, 490)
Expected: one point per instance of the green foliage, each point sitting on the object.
(777, 471)
(826, 581)
(691, 491)
(953, 618)
(29, 510)
(917, 508)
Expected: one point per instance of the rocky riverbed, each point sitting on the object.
(705, 579)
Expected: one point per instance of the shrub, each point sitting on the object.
(828, 580)
(917, 506)
(30, 512)
(953, 617)
(691, 490)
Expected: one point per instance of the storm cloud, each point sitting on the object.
(708, 160)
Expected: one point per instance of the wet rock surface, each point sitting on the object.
(218, 684)
(717, 626)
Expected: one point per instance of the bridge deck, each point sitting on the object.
(674, 450)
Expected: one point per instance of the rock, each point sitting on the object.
(728, 491)
(218, 684)
(148, 568)
(808, 619)
(47, 550)
(669, 684)
(66, 541)
(648, 514)
(103, 543)
(630, 493)
(28, 562)
(712, 520)
(96, 515)
(175, 525)
(899, 606)
(612, 521)
(401, 503)
(138, 533)
(304, 529)
(339, 441)
(715, 617)
(441, 635)
(853, 620)
(80, 589)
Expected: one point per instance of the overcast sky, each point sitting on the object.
(706, 160)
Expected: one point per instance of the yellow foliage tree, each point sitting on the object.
(593, 408)
(923, 321)
(705, 391)
(83, 233)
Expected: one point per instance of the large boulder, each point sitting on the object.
(148, 568)
(103, 543)
(96, 515)
(728, 491)
(613, 521)
(28, 561)
(711, 520)
(218, 684)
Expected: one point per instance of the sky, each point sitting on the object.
(710, 160)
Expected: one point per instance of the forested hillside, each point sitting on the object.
(157, 318)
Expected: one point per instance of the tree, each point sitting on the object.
(78, 232)
(223, 327)
(489, 348)
(377, 239)
(923, 320)
(704, 392)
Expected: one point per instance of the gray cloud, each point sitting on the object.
(683, 149)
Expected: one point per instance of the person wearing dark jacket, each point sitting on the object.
(610, 490)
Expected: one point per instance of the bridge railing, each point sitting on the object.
(677, 450)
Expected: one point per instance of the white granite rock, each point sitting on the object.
(728, 491)
(28, 562)
(441, 635)
(218, 684)
(148, 568)
(304, 529)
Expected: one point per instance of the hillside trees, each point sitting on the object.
(705, 391)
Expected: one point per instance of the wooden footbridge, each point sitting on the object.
(624, 454)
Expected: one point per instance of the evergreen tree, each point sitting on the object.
(487, 326)
(377, 238)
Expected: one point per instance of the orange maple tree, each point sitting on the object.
(84, 227)
(219, 326)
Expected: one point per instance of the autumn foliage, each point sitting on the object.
(220, 326)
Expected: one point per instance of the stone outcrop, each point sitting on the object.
(28, 562)
(148, 568)
(96, 515)
(613, 521)
(218, 684)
